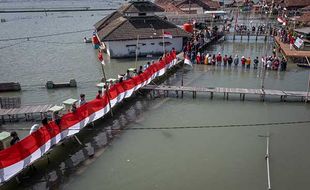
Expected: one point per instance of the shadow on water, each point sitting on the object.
(70, 158)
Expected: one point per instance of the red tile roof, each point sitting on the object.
(304, 18)
(296, 3)
(169, 6)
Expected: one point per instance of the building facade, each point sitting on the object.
(135, 28)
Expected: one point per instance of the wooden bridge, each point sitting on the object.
(262, 93)
(24, 112)
(287, 52)
(248, 35)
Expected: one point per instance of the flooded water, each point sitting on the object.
(206, 158)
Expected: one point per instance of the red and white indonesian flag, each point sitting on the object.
(187, 61)
(167, 35)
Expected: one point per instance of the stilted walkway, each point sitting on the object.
(26, 112)
(291, 52)
(226, 91)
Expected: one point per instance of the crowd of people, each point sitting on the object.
(270, 63)
(260, 29)
(287, 37)
(199, 39)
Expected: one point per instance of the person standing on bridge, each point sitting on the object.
(15, 138)
(236, 60)
(213, 60)
(206, 61)
(230, 60)
(225, 59)
(243, 61)
(219, 59)
(99, 95)
(248, 62)
(256, 63)
(82, 100)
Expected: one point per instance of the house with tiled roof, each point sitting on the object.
(189, 6)
(295, 4)
(169, 6)
(135, 27)
(304, 19)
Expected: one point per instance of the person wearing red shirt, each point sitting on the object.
(174, 52)
(292, 41)
(225, 59)
(198, 59)
(219, 59)
(243, 61)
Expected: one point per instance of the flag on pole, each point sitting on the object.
(187, 61)
(167, 35)
(102, 62)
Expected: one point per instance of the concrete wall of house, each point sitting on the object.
(119, 49)
(198, 10)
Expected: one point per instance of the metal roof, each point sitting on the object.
(305, 30)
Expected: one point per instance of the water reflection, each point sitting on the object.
(72, 159)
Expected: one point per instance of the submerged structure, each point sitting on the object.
(134, 28)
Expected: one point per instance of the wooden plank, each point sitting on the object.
(35, 109)
(242, 91)
(291, 52)
(23, 110)
(2, 112)
(296, 93)
(274, 92)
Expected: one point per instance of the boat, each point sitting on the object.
(303, 65)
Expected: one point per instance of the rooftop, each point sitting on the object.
(131, 7)
(128, 28)
(140, 6)
(206, 4)
(177, 4)
(305, 30)
(296, 3)
(304, 18)
(169, 6)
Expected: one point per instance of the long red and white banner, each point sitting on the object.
(17, 157)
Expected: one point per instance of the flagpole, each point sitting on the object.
(307, 97)
(107, 86)
(137, 49)
(182, 80)
(164, 41)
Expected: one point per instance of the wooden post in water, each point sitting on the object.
(307, 97)
(182, 80)
(268, 164)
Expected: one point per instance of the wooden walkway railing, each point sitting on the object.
(283, 94)
(24, 112)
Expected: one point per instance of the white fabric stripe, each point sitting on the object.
(10, 171)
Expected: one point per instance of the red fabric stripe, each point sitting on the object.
(33, 142)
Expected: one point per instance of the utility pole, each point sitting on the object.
(107, 87)
(137, 51)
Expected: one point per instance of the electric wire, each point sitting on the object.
(183, 127)
(46, 35)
